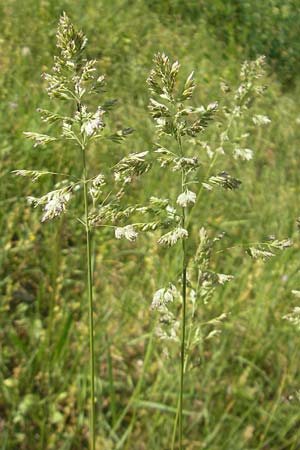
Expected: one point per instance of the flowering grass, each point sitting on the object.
(246, 394)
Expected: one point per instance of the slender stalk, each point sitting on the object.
(90, 300)
(179, 415)
(183, 332)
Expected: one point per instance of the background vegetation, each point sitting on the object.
(243, 394)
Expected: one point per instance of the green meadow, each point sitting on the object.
(243, 391)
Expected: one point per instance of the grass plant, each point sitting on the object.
(240, 386)
(181, 127)
(74, 80)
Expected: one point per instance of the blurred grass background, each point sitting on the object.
(242, 396)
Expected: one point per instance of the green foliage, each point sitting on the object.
(252, 27)
(242, 391)
(259, 27)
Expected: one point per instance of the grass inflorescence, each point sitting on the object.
(240, 373)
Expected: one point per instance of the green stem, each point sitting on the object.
(90, 300)
(183, 332)
(179, 412)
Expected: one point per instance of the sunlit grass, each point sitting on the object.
(241, 398)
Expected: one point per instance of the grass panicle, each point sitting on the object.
(181, 147)
(74, 80)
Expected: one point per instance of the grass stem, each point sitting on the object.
(183, 315)
(90, 301)
(183, 332)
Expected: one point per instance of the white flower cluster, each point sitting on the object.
(97, 183)
(243, 153)
(131, 166)
(163, 296)
(185, 198)
(54, 203)
(294, 316)
(259, 120)
(127, 232)
(33, 174)
(92, 125)
(170, 239)
(223, 278)
(39, 139)
(171, 333)
(56, 206)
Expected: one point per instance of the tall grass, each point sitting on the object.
(182, 127)
(249, 404)
(74, 80)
